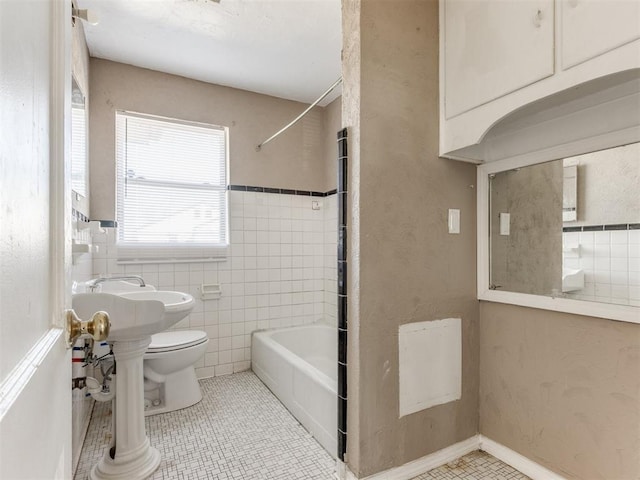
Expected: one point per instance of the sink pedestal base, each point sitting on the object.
(130, 456)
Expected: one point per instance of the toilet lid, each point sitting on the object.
(174, 340)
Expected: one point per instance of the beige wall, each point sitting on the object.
(294, 160)
(332, 123)
(529, 259)
(403, 265)
(80, 58)
(609, 186)
(562, 390)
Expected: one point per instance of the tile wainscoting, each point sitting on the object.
(609, 255)
(280, 271)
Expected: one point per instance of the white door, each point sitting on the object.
(35, 366)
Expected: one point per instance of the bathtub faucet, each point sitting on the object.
(93, 284)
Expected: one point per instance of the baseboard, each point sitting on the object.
(519, 462)
(434, 460)
(424, 464)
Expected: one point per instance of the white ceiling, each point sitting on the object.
(285, 48)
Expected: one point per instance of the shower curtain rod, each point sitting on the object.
(293, 122)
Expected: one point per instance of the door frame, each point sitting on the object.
(61, 204)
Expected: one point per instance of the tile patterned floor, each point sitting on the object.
(474, 466)
(240, 431)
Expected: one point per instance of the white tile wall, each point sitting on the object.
(330, 259)
(611, 263)
(279, 273)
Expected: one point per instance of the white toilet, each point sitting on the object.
(170, 381)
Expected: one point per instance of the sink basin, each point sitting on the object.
(135, 313)
(177, 305)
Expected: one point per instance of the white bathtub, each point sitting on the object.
(299, 365)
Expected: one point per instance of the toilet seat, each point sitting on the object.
(176, 340)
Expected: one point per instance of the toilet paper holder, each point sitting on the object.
(210, 291)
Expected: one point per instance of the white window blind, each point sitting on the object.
(79, 150)
(171, 188)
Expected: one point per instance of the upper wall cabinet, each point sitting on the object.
(591, 28)
(507, 67)
(493, 48)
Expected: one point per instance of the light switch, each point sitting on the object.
(505, 219)
(454, 220)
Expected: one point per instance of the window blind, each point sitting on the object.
(79, 150)
(171, 188)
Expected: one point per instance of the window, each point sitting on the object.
(171, 188)
(78, 141)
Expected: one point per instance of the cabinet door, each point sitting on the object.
(492, 48)
(592, 27)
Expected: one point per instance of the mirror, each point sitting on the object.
(79, 159)
(568, 228)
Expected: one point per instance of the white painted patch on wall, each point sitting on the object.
(430, 362)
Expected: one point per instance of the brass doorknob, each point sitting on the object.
(96, 328)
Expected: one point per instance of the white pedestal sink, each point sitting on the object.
(135, 316)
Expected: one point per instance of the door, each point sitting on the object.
(35, 366)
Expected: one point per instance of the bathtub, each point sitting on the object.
(299, 365)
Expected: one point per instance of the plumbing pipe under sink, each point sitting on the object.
(94, 387)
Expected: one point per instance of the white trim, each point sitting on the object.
(623, 313)
(155, 252)
(453, 452)
(60, 228)
(122, 261)
(19, 377)
(160, 118)
(571, 148)
(517, 461)
(460, 136)
(429, 462)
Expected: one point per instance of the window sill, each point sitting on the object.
(152, 253)
(143, 261)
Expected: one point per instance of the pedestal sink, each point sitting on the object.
(135, 314)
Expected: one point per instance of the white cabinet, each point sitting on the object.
(493, 48)
(505, 65)
(591, 28)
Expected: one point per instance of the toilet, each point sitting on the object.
(170, 381)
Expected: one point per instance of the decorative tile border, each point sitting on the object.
(281, 191)
(600, 228)
(342, 293)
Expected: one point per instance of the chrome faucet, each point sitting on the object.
(93, 284)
